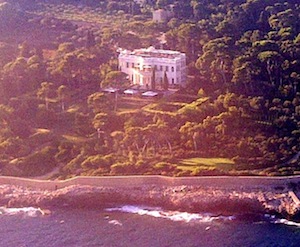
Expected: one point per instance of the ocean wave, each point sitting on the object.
(26, 211)
(287, 222)
(171, 215)
(273, 219)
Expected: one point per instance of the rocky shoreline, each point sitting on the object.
(182, 198)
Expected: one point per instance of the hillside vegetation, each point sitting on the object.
(238, 115)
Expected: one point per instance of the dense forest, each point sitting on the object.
(239, 113)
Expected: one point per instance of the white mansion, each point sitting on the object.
(149, 68)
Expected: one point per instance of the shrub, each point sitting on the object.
(122, 169)
(95, 162)
(38, 163)
(64, 152)
(164, 168)
(41, 137)
(45, 118)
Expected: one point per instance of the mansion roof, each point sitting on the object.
(151, 52)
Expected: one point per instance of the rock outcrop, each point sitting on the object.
(186, 198)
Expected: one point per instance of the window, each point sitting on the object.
(172, 69)
(173, 81)
(161, 68)
(127, 65)
(167, 68)
(132, 65)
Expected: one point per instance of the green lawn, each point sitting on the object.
(192, 164)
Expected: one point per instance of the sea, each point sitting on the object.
(141, 226)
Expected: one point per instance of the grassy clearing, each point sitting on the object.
(192, 164)
(73, 109)
(75, 139)
(128, 104)
(42, 131)
(154, 106)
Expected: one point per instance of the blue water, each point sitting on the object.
(119, 227)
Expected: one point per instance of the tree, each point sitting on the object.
(24, 50)
(272, 59)
(65, 48)
(215, 63)
(190, 133)
(165, 82)
(117, 79)
(201, 10)
(63, 96)
(7, 51)
(98, 102)
(153, 80)
(118, 137)
(100, 123)
(90, 40)
(182, 9)
(44, 92)
(36, 69)
(242, 75)
(186, 38)
(161, 3)
(16, 74)
(5, 114)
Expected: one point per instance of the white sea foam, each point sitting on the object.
(171, 215)
(287, 222)
(273, 219)
(27, 211)
(115, 222)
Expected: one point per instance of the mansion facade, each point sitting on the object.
(151, 68)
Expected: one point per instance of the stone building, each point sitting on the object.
(151, 68)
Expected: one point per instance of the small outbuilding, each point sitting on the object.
(162, 15)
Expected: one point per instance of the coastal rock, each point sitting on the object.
(187, 198)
